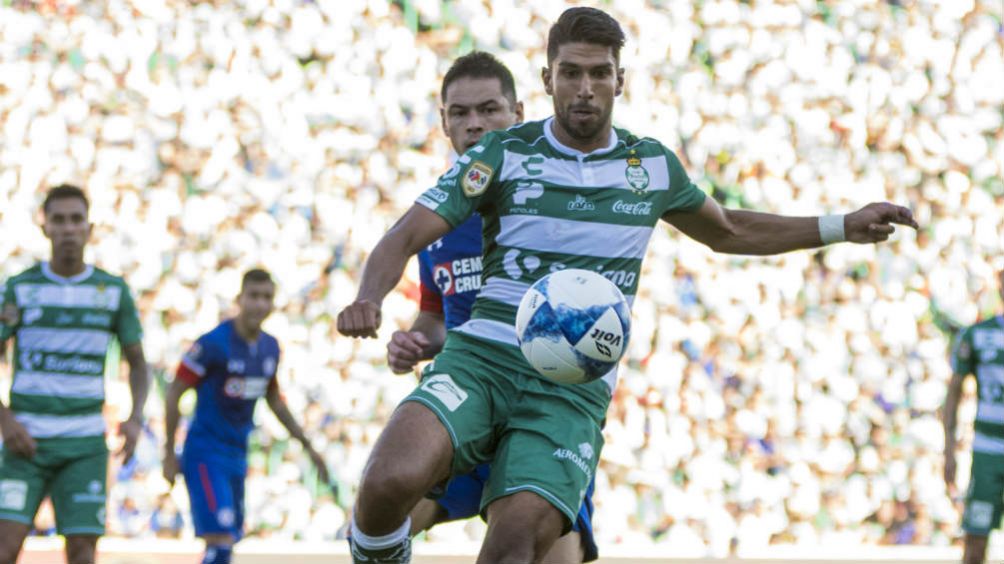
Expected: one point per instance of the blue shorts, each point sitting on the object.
(216, 492)
(462, 500)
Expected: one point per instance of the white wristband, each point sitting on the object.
(831, 228)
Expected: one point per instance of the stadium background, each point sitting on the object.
(765, 402)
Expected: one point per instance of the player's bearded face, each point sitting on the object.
(584, 80)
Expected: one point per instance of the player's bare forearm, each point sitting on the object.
(282, 413)
(171, 412)
(950, 412)
(434, 329)
(417, 229)
(757, 233)
(139, 379)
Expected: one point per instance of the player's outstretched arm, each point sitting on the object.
(756, 233)
(414, 231)
(278, 406)
(949, 417)
(139, 388)
(425, 338)
(172, 415)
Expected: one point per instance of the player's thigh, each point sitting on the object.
(23, 485)
(985, 495)
(78, 493)
(210, 494)
(460, 394)
(566, 550)
(550, 447)
(426, 514)
(522, 526)
(12, 537)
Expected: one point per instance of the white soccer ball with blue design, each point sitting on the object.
(573, 326)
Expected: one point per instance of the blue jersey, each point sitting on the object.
(450, 271)
(229, 375)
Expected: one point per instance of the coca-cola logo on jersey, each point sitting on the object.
(637, 208)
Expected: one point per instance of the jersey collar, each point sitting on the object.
(47, 271)
(549, 134)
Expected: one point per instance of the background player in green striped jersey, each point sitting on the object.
(979, 350)
(63, 315)
(569, 191)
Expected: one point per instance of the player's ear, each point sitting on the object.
(545, 75)
(620, 81)
(442, 120)
(519, 112)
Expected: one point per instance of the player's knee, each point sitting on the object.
(385, 485)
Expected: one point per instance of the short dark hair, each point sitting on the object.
(478, 64)
(256, 276)
(585, 25)
(64, 192)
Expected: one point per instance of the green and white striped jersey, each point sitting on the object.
(62, 332)
(547, 207)
(979, 350)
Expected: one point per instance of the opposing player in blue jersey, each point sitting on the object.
(230, 368)
(479, 95)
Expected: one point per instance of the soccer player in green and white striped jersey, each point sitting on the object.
(571, 191)
(979, 350)
(63, 315)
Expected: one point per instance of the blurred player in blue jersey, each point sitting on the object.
(479, 95)
(230, 368)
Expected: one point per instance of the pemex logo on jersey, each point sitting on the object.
(458, 276)
(581, 204)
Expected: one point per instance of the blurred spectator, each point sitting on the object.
(784, 400)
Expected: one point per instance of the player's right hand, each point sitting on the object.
(15, 437)
(361, 318)
(405, 349)
(170, 466)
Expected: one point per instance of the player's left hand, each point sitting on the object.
(129, 430)
(322, 468)
(875, 222)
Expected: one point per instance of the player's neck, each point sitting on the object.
(600, 141)
(67, 266)
(246, 331)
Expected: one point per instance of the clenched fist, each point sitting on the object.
(359, 319)
(405, 349)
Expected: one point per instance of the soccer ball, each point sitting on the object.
(573, 326)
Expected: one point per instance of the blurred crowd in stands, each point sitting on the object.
(792, 399)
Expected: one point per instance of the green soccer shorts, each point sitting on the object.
(985, 496)
(539, 436)
(73, 472)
